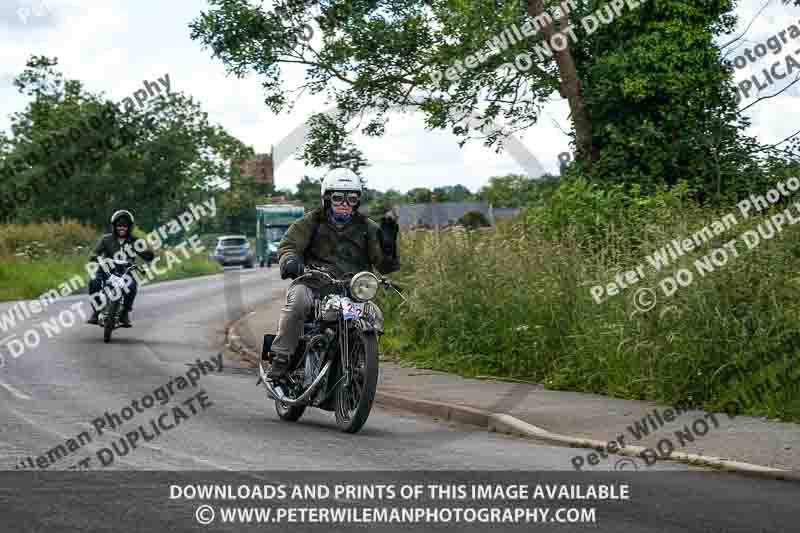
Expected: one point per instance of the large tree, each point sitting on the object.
(72, 153)
(651, 102)
(377, 55)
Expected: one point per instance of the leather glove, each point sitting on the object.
(292, 268)
(389, 230)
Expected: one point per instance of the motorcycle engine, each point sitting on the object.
(330, 308)
(313, 361)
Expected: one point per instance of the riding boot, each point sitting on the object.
(125, 319)
(279, 367)
(94, 319)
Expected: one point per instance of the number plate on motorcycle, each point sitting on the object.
(117, 281)
(351, 310)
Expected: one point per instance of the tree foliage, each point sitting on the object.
(453, 193)
(377, 55)
(329, 146)
(517, 190)
(419, 195)
(652, 103)
(237, 205)
(72, 154)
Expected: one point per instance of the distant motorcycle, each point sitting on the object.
(335, 367)
(108, 317)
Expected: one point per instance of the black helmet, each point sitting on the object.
(122, 216)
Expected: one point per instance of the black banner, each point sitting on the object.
(37, 501)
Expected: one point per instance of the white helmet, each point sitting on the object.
(340, 179)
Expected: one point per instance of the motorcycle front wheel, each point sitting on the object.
(354, 399)
(111, 319)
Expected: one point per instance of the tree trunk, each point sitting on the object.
(570, 84)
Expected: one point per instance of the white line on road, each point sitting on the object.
(167, 451)
(90, 445)
(17, 394)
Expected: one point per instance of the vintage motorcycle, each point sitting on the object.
(335, 367)
(114, 284)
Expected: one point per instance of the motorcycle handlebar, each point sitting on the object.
(389, 284)
(311, 271)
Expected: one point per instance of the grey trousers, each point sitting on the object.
(299, 302)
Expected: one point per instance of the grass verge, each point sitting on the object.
(516, 303)
(36, 258)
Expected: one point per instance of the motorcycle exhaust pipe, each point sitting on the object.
(276, 393)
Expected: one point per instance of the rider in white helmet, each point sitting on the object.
(339, 184)
(337, 238)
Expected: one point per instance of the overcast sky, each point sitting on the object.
(114, 46)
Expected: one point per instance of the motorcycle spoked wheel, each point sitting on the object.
(110, 320)
(353, 401)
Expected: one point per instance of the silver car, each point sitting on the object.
(233, 250)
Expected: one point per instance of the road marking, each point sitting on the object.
(90, 445)
(17, 394)
(166, 451)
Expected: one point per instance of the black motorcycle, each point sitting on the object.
(114, 288)
(335, 367)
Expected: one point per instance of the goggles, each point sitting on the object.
(338, 198)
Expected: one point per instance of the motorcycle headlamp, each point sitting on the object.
(364, 286)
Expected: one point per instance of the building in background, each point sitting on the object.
(261, 168)
(282, 200)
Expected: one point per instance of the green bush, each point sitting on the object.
(473, 220)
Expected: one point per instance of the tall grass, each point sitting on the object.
(47, 239)
(35, 258)
(516, 302)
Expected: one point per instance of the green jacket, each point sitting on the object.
(109, 245)
(357, 247)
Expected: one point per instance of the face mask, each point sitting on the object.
(340, 218)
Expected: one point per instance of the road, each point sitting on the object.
(57, 392)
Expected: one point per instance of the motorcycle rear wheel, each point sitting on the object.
(353, 404)
(110, 321)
